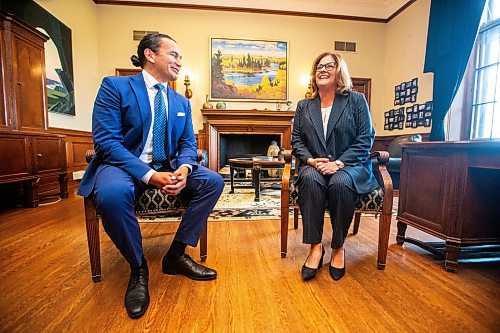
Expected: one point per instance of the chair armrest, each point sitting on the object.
(379, 164)
(202, 157)
(285, 179)
(89, 155)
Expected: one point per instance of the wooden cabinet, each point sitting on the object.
(449, 190)
(28, 152)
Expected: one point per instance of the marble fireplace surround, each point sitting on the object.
(257, 122)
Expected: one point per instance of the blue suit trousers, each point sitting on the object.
(115, 192)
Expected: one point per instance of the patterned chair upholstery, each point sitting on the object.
(378, 202)
(150, 204)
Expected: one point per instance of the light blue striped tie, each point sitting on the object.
(159, 129)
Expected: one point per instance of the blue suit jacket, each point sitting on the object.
(349, 136)
(120, 124)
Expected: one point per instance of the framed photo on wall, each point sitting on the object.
(248, 70)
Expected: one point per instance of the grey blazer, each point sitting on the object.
(349, 136)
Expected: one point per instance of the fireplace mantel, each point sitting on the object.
(242, 122)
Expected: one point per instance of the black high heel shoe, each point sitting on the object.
(309, 273)
(337, 273)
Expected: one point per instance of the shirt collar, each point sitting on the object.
(151, 81)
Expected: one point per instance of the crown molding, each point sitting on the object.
(253, 10)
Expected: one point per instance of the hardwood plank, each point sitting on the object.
(46, 284)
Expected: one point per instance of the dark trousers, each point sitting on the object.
(315, 191)
(116, 191)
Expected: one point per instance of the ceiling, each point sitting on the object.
(374, 9)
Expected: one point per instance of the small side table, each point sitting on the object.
(256, 165)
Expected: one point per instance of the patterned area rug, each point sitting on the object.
(241, 206)
(238, 206)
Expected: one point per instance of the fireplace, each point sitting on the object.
(251, 131)
(244, 145)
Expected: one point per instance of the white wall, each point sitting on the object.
(307, 37)
(406, 39)
(102, 41)
(81, 17)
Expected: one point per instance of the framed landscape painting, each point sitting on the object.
(248, 70)
(58, 53)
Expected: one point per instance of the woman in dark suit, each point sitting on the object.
(332, 136)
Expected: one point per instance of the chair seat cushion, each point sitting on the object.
(370, 202)
(154, 201)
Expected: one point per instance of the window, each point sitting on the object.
(485, 122)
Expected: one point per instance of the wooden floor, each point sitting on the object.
(46, 285)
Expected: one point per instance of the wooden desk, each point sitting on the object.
(451, 190)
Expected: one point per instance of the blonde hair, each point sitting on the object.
(344, 82)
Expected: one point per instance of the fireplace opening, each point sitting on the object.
(244, 145)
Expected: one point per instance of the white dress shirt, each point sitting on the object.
(325, 115)
(147, 153)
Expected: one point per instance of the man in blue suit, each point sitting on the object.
(143, 136)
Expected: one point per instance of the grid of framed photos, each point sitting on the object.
(418, 115)
(394, 119)
(406, 92)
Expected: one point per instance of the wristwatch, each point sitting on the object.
(339, 164)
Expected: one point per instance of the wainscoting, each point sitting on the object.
(77, 143)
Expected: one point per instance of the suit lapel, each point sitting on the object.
(317, 121)
(338, 108)
(139, 87)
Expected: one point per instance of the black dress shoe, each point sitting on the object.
(137, 295)
(186, 266)
(337, 273)
(309, 273)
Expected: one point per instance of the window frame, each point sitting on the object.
(470, 86)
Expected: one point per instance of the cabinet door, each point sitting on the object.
(29, 82)
(15, 158)
(49, 155)
(4, 120)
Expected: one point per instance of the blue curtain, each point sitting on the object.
(453, 27)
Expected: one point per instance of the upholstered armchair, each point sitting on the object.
(378, 202)
(151, 203)
(395, 151)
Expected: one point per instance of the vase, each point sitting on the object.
(207, 104)
(220, 105)
(273, 151)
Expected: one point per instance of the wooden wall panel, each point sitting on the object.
(77, 143)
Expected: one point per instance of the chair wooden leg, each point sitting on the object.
(357, 218)
(203, 243)
(284, 229)
(295, 218)
(92, 225)
(383, 239)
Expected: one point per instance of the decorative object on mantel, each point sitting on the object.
(221, 105)
(188, 92)
(207, 104)
(278, 106)
(289, 106)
